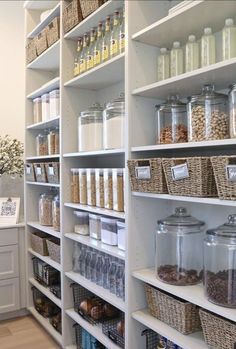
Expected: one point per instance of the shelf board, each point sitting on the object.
(104, 75)
(193, 294)
(92, 20)
(46, 292)
(95, 153)
(94, 330)
(73, 346)
(44, 184)
(47, 230)
(46, 324)
(49, 86)
(54, 13)
(46, 259)
(52, 123)
(40, 4)
(221, 74)
(193, 341)
(170, 28)
(45, 157)
(97, 290)
(206, 201)
(98, 210)
(48, 60)
(97, 245)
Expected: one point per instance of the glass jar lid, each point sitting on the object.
(208, 93)
(172, 103)
(180, 218)
(95, 111)
(116, 106)
(56, 198)
(227, 229)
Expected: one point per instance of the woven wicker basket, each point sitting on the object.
(175, 312)
(52, 171)
(41, 42)
(200, 183)
(54, 249)
(89, 6)
(226, 188)
(38, 243)
(156, 183)
(72, 15)
(40, 172)
(31, 52)
(29, 172)
(219, 333)
(53, 31)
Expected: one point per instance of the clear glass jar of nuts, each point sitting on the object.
(171, 120)
(208, 116)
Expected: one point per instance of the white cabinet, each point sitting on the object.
(9, 263)
(9, 295)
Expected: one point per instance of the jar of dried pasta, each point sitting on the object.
(83, 186)
(91, 187)
(118, 189)
(75, 195)
(108, 189)
(99, 179)
(56, 213)
(45, 209)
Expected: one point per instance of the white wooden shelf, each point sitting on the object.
(97, 245)
(95, 331)
(40, 4)
(46, 259)
(46, 324)
(193, 294)
(52, 123)
(97, 290)
(221, 74)
(46, 292)
(170, 28)
(47, 230)
(98, 210)
(48, 60)
(71, 347)
(206, 201)
(52, 185)
(49, 86)
(45, 157)
(95, 153)
(191, 341)
(54, 13)
(104, 75)
(92, 20)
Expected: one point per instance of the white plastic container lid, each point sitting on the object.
(37, 100)
(109, 220)
(54, 93)
(192, 38)
(81, 214)
(45, 97)
(94, 217)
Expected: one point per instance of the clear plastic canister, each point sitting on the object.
(45, 209)
(82, 223)
(109, 231)
(83, 186)
(75, 188)
(54, 103)
(56, 213)
(118, 189)
(95, 226)
(91, 187)
(121, 232)
(45, 107)
(99, 179)
(37, 110)
(42, 144)
(108, 189)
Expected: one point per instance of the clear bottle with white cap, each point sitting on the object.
(191, 54)
(163, 64)
(176, 59)
(229, 39)
(208, 48)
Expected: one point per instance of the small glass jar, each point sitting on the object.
(179, 249)
(118, 189)
(208, 116)
(45, 209)
(83, 186)
(114, 119)
(220, 264)
(109, 231)
(90, 129)
(108, 189)
(95, 226)
(91, 187)
(37, 110)
(172, 122)
(56, 213)
(82, 223)
(99, 187)
(42, 144)
(54, 104)
(51, 142)
(45, 107)
(75, 188)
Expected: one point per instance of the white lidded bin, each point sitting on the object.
(109, 231)
(45, 107)
(95, 226)
(54, 103)
(121, 232)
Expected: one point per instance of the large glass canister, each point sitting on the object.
(220, 264)
(208, 116)
(90, 133)
(45, 209)
(42, 144)
(172, 122)
(179, 249)
(114, 118)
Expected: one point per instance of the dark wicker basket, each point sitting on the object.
(154, 341)
(109, 328)
(89, 6)
(43, 305)
(44, 273)
(54, 249)
(38, 243)
(72, 15)
(31, 52)
(41, 42)
(175, 312)
(53, 31)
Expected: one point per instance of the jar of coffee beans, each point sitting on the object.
(179, 249)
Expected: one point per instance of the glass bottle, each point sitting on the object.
(119, 281)
(106, 41)
(82, 263)
(191, 54)
(99, 270)
(77, 57)
(105, 273)
(82, 62)
(122, 33)
(176, 60)
(208, 48)
(112, 277)
(87, 265)
(93, 266)
(76, 255)
(89, 59)
(98, 46)
(114, 39)
(163, 64)
(229, 39)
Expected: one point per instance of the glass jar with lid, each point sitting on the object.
(179, 249)
(56, 213)
(208, 116)
(171, 118)
(220, 264)
(42, 144)
(45, 209)
(114, 118)
(90, 133)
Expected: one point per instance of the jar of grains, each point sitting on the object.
(42, 144)
(75, 197)
(232, 111)
(82, 223)
(171, 118)
(108, 189)
(95, 226)
(91, 187)
(99, 187)
(37, 110)
(57, 140)
(45, 209)
(118, 189)
(83, 186)
(51, 142)
(56, 213)
(208, 116)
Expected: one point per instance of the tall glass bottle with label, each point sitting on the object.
(77, 57)
(106, 41)
(97, 52)
(122, 33)
(229, 39)
(82, 63)
(114, 40)
(89, 58)
(191, 54)
(176, 60)
(208, 48)
(163, 64)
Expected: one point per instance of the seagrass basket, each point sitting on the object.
(31, 52)
(72, 15)
(53, 31)
(38, 243)
(41, 42)
(89, 6)
(54, 249)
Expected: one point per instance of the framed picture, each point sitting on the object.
(9, 210)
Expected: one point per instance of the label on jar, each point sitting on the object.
(231, 173)
(179, 172)
(89, 62)
(105, 52)
(51, 171)
(38, 171)
(143, 172)
(114, 47)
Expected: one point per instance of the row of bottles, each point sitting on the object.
(100, 45)
(196, 55)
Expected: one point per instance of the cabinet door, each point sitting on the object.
(8, 237)
(9, 263)
(9, 295)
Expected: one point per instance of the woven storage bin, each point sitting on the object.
(52, 172)
(43, 305)
(53, 31)
(200, 183)
(38, 243)
(157, 181)
(109, 328)
(44, 273)
(219, 333)
(72, 15)
(54, 249)
(41, 42)
(175, 312)
(226, 188)
(40, 172)
(29, 172)
(31, 52)
(89, 6)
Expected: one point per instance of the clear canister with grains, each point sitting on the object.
(99, 187)
(75, 188)
(83, 186)
(56, 213)
(108, 189)
(45, 209)
(118, 189)
(91, 187)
